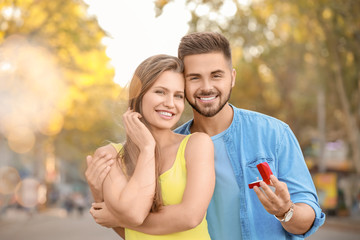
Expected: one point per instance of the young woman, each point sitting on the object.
(156, 168)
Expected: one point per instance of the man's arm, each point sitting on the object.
(293, 181)
(120, 231)
(98, 168)
(105, 218)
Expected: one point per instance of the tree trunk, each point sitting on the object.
(321, 110)
(350, 118)
(351, 127)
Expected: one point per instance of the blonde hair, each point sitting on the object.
(144, 77)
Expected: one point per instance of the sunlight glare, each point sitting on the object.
(135, 33)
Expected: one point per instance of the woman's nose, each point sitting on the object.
(169, 101)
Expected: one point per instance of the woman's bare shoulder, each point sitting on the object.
(200, 138)
(199, 144)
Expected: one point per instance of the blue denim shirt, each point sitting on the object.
(253, 138)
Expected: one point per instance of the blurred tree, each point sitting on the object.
(286, 53)
(81, 117)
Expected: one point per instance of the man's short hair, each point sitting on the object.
(204, 42)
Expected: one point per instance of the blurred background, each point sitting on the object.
(64, 66)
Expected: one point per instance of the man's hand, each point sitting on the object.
(98, 168)
(276, 203)
(103, 216)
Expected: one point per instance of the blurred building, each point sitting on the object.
(334, 175)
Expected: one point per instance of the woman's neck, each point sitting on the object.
(163, 137)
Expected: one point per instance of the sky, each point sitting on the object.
(135, 32)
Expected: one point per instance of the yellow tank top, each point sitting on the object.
(173, 183)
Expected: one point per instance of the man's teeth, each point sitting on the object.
(166, 114)
(207, 98)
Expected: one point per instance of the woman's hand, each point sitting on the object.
(103, 216)
(137, 131)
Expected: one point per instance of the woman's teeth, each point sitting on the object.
(166, 114)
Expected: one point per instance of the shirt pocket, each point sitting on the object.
(253, 172)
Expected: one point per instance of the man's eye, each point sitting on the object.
(217, 76)
(193, 78)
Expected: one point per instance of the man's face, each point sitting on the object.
(208, 82)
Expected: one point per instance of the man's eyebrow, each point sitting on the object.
(197, 74)
(217, 71)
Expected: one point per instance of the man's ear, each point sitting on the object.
(233, 77)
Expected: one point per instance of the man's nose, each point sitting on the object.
(206, 85)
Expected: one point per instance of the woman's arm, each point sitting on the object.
(131, 200)
(200, 185)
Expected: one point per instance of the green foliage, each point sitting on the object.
(86, 100)
(285, 53)
(282, 55)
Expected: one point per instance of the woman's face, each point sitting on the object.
(163, 103)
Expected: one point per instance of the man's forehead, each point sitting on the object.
(205, 64)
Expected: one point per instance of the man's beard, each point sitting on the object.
(208, 111)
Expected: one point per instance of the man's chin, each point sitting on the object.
(207, 111)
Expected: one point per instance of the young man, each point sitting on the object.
(242, 139)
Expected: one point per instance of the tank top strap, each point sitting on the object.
(181, 151)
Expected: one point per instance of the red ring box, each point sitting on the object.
(265, 173)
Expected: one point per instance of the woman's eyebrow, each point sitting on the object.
(167, 89)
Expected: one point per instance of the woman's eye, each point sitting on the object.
(179, 96)
(159, 92)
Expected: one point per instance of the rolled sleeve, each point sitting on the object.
(294, 172)
(319, 218)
